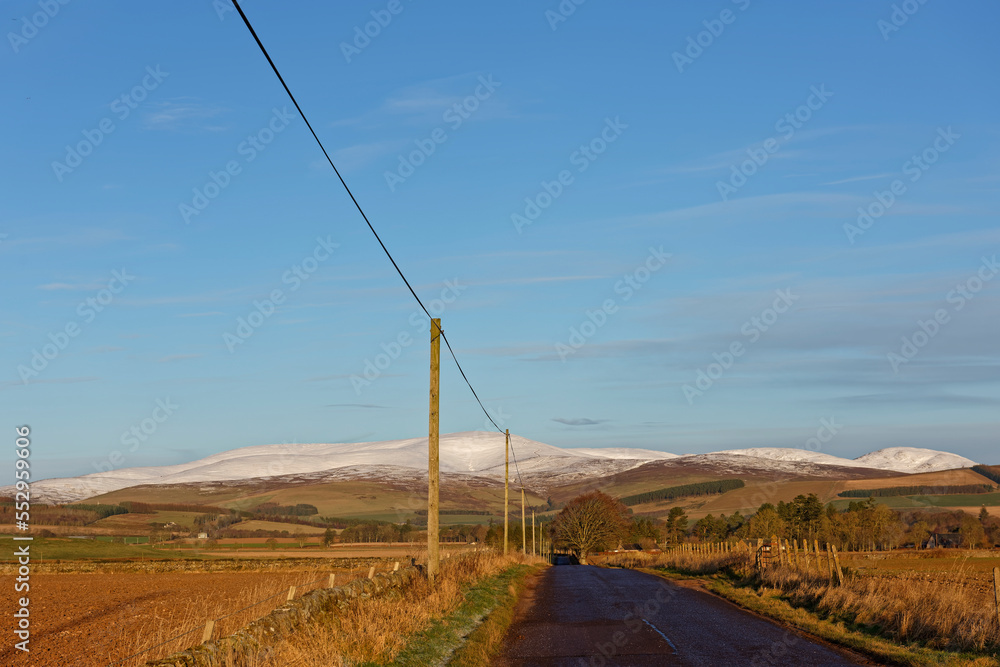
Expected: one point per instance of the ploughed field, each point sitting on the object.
(113, 610)
(972, 569)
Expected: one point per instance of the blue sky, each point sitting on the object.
(570, 157)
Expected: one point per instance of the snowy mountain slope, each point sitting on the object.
(472, 453)
(788, 454)
(621, 453)
(913, 459)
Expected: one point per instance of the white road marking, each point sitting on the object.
(666, 638)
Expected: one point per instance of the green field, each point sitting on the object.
(292, 528)
(183, 520)
(915, 502)
(64, 548)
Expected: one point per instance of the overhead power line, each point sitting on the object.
(354, 199)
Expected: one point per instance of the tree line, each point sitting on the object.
(596, 522)
(683, 490)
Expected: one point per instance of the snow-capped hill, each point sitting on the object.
(913, 459)
(478, 454)
(790, 454)
(621, 453)
(471, 452)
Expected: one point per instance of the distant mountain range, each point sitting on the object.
(470, 454)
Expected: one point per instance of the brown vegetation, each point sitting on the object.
(377, 629)
(115, 610)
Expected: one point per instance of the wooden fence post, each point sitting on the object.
(291, 594)
(371, 572)
(332, 576)
(829, 561)
(209, 629)
(836, 564)
(795, 552)
(395, 568)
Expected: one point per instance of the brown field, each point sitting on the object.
(971, 570)
(943, 478)
(364, 499)
(338, 551)
(758, 491)
(992, 510)
(275, 525)
(94, 618)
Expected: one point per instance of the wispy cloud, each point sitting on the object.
(184, 114)
(854, 179)
(362, 155)
(73, 380)
(70, 286)
(366, 406)
(426, 102)
(177, 357)
(536, 280)
(207, 297)
(76, 237)
(581, 421)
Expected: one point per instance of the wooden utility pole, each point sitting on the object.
(433, 462)
(524, 527)
(506, 488)
(532, 532)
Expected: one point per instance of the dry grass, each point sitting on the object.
(940, 616)
(685, 562)
(161, 624)
(375, 630)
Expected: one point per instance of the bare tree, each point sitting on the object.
(591, 522)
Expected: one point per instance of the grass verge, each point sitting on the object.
(420, 624)
(483, 643)
(469, 635)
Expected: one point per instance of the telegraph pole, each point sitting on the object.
(532, 532)
(506, 489)
(524, 527)
(433, 457)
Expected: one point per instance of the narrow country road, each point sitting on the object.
(583, 615)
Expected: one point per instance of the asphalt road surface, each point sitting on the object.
(583, 615)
